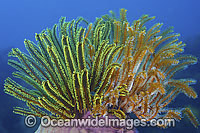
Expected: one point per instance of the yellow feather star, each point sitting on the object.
(108, 67)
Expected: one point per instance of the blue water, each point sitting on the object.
(20, 19)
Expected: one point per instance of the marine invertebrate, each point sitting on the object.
(110, 67)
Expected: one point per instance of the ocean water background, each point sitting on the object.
(21, 19)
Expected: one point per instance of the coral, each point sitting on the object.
(109, 67)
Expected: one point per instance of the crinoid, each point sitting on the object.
(108, 68)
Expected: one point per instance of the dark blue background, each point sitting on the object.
(20, 19)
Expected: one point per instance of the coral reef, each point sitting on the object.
(108, 68)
